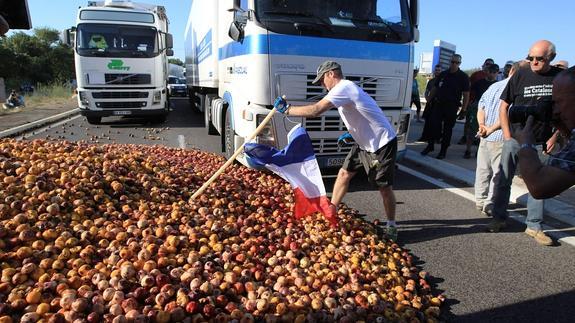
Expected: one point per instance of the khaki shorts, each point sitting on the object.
(379, 165)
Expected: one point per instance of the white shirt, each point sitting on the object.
(363, 118)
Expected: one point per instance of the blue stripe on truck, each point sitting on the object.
(315, 46)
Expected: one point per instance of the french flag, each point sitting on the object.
(296, 164)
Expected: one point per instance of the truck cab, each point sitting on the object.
(120, 54)
(241, 55)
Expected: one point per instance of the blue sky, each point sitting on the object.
(502, 29)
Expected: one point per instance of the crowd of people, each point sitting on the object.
(484, 99)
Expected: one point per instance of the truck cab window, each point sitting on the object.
(372, 20)
(122, 41)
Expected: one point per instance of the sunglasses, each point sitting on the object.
(455, 62)
(537, 58)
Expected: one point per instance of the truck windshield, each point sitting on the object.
(116, 41)
(374, 20)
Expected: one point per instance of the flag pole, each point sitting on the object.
(234, 156)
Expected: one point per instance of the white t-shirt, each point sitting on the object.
(363, 118)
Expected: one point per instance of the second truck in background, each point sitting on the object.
(240, 55)
(120, 51)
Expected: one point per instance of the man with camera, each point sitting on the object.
(546, 181)
(14, 100)
(527, 88)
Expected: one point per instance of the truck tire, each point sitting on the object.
(94, 120)
(229, 134)
(195, 101)
(207, 122)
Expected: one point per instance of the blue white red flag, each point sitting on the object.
(296, 163)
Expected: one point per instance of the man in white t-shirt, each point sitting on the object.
(375, 146)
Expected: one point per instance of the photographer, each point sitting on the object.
(14, 100)
(525, 88)
(545, 181)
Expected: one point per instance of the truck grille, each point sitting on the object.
(128, 79)
(325, 123)
(329, 146)
(385, 91)
(121, 105)
(120, 95)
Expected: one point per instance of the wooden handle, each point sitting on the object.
(233, 157)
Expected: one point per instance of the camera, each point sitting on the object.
(542, 114)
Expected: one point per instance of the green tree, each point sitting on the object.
(47, 36)
(176, 61)
(36, 58)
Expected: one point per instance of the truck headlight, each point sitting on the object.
(84, 102)
(403, 123)
(267, 135)
(157, 97)
(403, 126)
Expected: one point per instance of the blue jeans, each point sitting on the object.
(502, 189)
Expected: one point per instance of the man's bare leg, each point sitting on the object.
(341, 185)
(389, 202)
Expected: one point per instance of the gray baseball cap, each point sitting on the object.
(324, 68)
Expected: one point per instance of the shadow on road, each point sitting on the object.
(181, 116)
(360, 182)
(554, 308)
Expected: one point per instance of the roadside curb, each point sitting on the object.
(553, 208)
(37, 124)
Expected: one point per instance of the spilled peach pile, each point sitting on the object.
(92, 233)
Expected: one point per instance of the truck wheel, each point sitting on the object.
(229, 145)
(94, 120)
(195, 101)
(208, 124)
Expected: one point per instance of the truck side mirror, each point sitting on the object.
(169, 41)
(236, 6)
(66, 37)
(236, 31)
(414, 14)
(169, 52)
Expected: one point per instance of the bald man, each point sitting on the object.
(525, 88)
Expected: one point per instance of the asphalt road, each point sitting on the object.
(486, 277)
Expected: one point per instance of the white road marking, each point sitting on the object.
(182, 141)
(558, 234)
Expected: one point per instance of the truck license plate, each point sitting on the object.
(122, 113)
(334, 162)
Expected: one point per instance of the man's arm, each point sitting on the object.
(543, 181)
(465, 101)
(481, 121)
(504, 119)
(312, 110)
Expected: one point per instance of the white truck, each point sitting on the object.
(120, 51)
(242, 54)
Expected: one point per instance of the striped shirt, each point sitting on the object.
(489, 103)
(565, 159)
